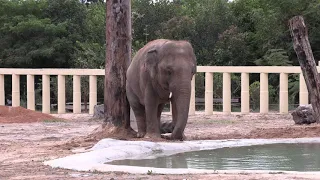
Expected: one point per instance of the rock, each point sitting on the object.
(166, 127)
(98, 111)
(303, 115)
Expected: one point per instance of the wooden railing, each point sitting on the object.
(208, 70)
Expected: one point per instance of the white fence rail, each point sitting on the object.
(208, 70)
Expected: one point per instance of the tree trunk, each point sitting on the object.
(303, 50)
(118, 58)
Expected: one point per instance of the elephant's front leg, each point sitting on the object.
(174, 112)
(174, 117)
(141, 121)
(152, 120)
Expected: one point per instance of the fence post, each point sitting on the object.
(192, 108)
(2, 93)
(226, 93)
(245, 95)
(76, 94)
(303, 94)
(15, 90)
(61, 94)
(264, 93)
(30, 92)
(283, 93)
(208, 93)
(92, 93)
(46, 94)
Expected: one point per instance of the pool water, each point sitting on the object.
(285, 157)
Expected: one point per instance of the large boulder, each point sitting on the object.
(303, 115)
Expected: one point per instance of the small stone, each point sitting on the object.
(303, 115)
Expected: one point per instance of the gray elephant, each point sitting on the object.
(160, 72)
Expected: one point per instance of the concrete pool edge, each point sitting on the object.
(176, 171)
(107, 150)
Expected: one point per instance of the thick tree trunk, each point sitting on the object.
(118, 58)
(303, 50)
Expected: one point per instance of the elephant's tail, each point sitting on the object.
(166, 127)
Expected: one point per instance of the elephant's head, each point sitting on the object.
(171, 66)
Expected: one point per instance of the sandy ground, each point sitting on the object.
(24, 146)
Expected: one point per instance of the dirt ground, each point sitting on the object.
(24, 146)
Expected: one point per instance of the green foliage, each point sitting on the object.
(213, 18)
(38, 33)
(177, 28)
(200, 85)
(47, 33)
(232, 48)
(95, 23)
(274, 57)
(69, 34)
(52, 34)
(89, 55)
(152, 14)
(294, 88)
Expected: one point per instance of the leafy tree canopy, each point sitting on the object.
(70, 33)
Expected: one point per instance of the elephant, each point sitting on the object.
(161, 72)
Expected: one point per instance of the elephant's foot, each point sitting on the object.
(166, 136)
(141, 134)
(169, 136)
(153, 135)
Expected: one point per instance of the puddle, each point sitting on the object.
(283, 157)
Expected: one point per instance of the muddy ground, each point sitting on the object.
(24, 146)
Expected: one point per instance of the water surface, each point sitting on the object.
(285, 157)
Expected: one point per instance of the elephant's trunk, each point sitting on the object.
(181, 102)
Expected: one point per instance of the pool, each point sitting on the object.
(294, 155)
(284, 157)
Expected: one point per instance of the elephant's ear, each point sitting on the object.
(151, 62)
